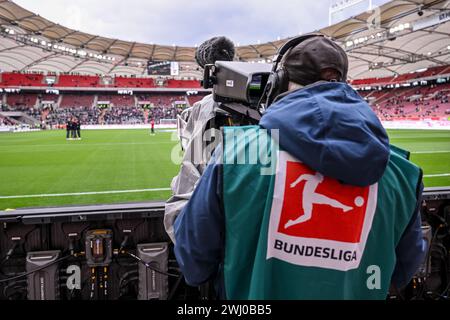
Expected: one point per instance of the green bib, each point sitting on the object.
(293, 234)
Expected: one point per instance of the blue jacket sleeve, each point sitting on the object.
(199, 229)
(411, 249)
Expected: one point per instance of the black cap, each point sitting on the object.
(214, 49)
(305, 62)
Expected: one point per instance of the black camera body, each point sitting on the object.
(239, 82)
(238, 87)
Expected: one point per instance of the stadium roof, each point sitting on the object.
(399, 37)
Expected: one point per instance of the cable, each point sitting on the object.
(73, 239)
(35, 270)
(423, 286)
(175, 287)
(16, 292)
(443, 224)
(9, 253)
(147, 265)
(175, 269)
(429, 250)
(127, 233)
(124, 277)
(445, 290)
(124, 283)
(16, 241)
(79, 233)
(124, 242)
(15, 284)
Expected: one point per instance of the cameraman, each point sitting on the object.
(339, 219)
(201, 118)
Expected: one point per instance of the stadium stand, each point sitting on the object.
(77, 81)
(122, 115)
(22, 100)
(48, 97)
(381, 78)
(37, 80)
(441, 70)
(118, 100)
(122, 109)
(12, 79)
(22, 79)
(160, 99)
(390, 103)
(194, 98)
(4, 121)
(124, 82)
(113, 115)
(86, 115)
(412, 103)
(183, 83)
(76, 100)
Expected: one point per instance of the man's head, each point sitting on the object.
(214, 49)
(317, 58)
(304, 61)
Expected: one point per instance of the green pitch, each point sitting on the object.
(109, 166)
(44, 163)
(430, 149)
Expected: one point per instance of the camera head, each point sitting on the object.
(255, 86)
(237, 82)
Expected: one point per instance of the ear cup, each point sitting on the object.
(279, 83)
(271, 88)
(283, 80)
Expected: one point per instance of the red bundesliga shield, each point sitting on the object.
(318, 221)
(336, 210)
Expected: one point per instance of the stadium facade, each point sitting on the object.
(396, 38)
(396, 51)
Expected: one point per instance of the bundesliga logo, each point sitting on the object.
(316, 220)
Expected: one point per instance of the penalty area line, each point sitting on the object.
(83, 193)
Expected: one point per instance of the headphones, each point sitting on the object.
(278, 81)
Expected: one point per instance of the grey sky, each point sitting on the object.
(186, 22)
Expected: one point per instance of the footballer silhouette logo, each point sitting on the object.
(320, 207)
(310, 197)
(317, 220)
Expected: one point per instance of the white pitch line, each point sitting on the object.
(83, 193)
(425, 152)
(92, 144)
(436, 175)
